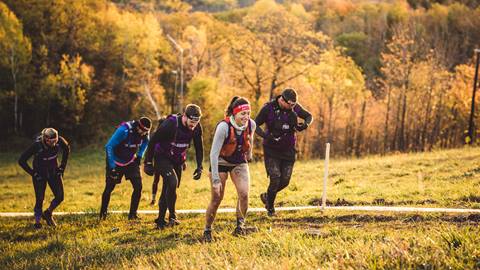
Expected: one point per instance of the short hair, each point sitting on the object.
(193, 110)
(49, 133)
(289, 94)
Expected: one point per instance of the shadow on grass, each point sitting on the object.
(80, 242)
(376, 201)
(363, 219)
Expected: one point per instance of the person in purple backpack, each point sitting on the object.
(45, 170)
(167, 153)
(124, 152)
(281, 119)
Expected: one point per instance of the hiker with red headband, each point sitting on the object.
(166, 156)
(45, 170)
(231, 150)
(279, 139)
(124, 152)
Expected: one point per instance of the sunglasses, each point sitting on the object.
(194, 118)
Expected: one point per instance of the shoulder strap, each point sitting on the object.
(249, 127)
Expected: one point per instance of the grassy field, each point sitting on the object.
(293, 240)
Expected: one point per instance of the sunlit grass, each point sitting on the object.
(307, 240)
(294, 240)
(442, 178)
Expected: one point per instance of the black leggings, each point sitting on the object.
(55, 183)
(156, 179)
(132, 173)
(279, 172)
(171, 175)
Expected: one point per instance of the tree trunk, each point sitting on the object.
(360, 130)
(438, 118)
(150, 98)
(427, 115)
(427, 112)
(397, 121)
(401, 138)
(13, 69)
(273, 85)
(387, 116)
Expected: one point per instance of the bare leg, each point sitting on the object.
(241, 179)
(216, 199)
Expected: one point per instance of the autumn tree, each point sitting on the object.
(15, 54)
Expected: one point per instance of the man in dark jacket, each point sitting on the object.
(168, 149)
(279, 139)
(45, 170)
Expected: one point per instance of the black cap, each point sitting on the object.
(193, 112)
(145, 123)
(289, 94)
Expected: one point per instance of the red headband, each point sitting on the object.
(241, 108)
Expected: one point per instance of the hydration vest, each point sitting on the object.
(235, 147)
(176, 149)
(281, 124)
(45, 158)
(126, 150)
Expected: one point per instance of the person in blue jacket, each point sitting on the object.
(124, 151)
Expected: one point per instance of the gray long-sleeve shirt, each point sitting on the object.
(221, 133)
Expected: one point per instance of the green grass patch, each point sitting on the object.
(294, 240)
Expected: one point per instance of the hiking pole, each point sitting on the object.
(325, 176)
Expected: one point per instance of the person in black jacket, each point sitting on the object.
(280, 117)
(45, 170)
(166, 155)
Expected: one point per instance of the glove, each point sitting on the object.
(60, 171)
(301, 127)
(270, 137)
(148, 168)
(197, 173)
(36, 176)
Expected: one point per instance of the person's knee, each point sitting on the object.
(284, 182)
(274, 173)
(172, 185)
(243, 196)
(217, 199)
(60, 197)
(109, 187)
(137, 185)
(274, 183)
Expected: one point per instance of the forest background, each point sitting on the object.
(378, 76)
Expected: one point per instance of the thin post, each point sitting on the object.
(325, 176)
(181, 80)
(174, 94)
(471, 125)
(180, 50)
